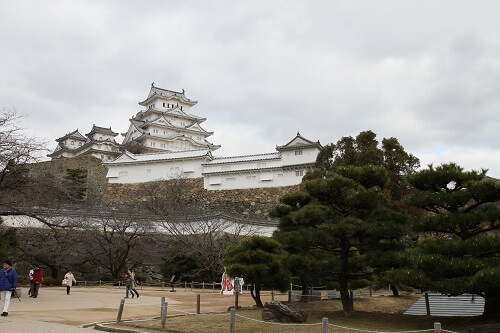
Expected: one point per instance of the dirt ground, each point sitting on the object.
(88, 305)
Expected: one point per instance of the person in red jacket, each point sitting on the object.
(37, 280)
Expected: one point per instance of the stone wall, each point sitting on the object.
(96, 172)
(249, 203)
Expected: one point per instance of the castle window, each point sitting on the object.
(251, 177)
(261, 165)
(168, 105)
(299, 173)
(72, 142)
(298, 152)
(280, 175)
(123, 174)
(231, 179)
(181, 108)
(163, 104)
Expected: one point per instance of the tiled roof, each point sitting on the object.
(142, 158)
(102, 130)
(244, 158)
(155, 92)
(270, 168)
(298, 142)
(73, 135)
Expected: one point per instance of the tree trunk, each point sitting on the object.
(305, 291)
(395, 290)
(492, 306)
(256, 296)
(345, 297)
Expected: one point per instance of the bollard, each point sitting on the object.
(198, 304)
(272, 294)
(163, 312)
(289, 296)
(185, 285)
(120, 311)
(437, 328)
(99, 283)
(203, 285)
(325, 325)
(371, 291)
(427, 304)
(232, 321)
(236, 295)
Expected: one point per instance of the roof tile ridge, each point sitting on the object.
(262, 154)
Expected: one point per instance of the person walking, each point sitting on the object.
(132, 277)
(68, 281)
(30, 275)
(128, 285)
(8, 284)
(37, 280)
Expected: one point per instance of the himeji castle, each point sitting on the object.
(99, 142)
(174, 145)
(167, 125)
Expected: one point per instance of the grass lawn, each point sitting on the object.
(378, 313)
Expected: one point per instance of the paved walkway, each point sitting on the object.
(13, 324)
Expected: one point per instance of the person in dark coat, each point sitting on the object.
(8, 284)
(37, 280)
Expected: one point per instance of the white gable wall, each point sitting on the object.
(299, 155)
(155, 170)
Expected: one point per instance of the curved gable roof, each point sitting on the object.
(155, 92)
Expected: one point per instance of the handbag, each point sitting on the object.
(64, 282)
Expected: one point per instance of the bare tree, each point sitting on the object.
(16, 151)
(195, 233)
(110, 238)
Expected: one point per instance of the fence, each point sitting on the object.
(324, 325)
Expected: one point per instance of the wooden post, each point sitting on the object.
(162, 284)
(232, 321)
(289, 296)
(198, 304)
(427, 304)
(371, 291)
(324, 325)
(351, 294)
(236, 294)
(163, 312)
(272, 294)
(185, 285)
(120, 311)
(437, 328)
(99, 283)
(203, 285)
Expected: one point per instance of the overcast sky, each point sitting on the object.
(425, 72)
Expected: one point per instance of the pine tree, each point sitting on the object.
(345, 215)
(459, 250)
(258, 260)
